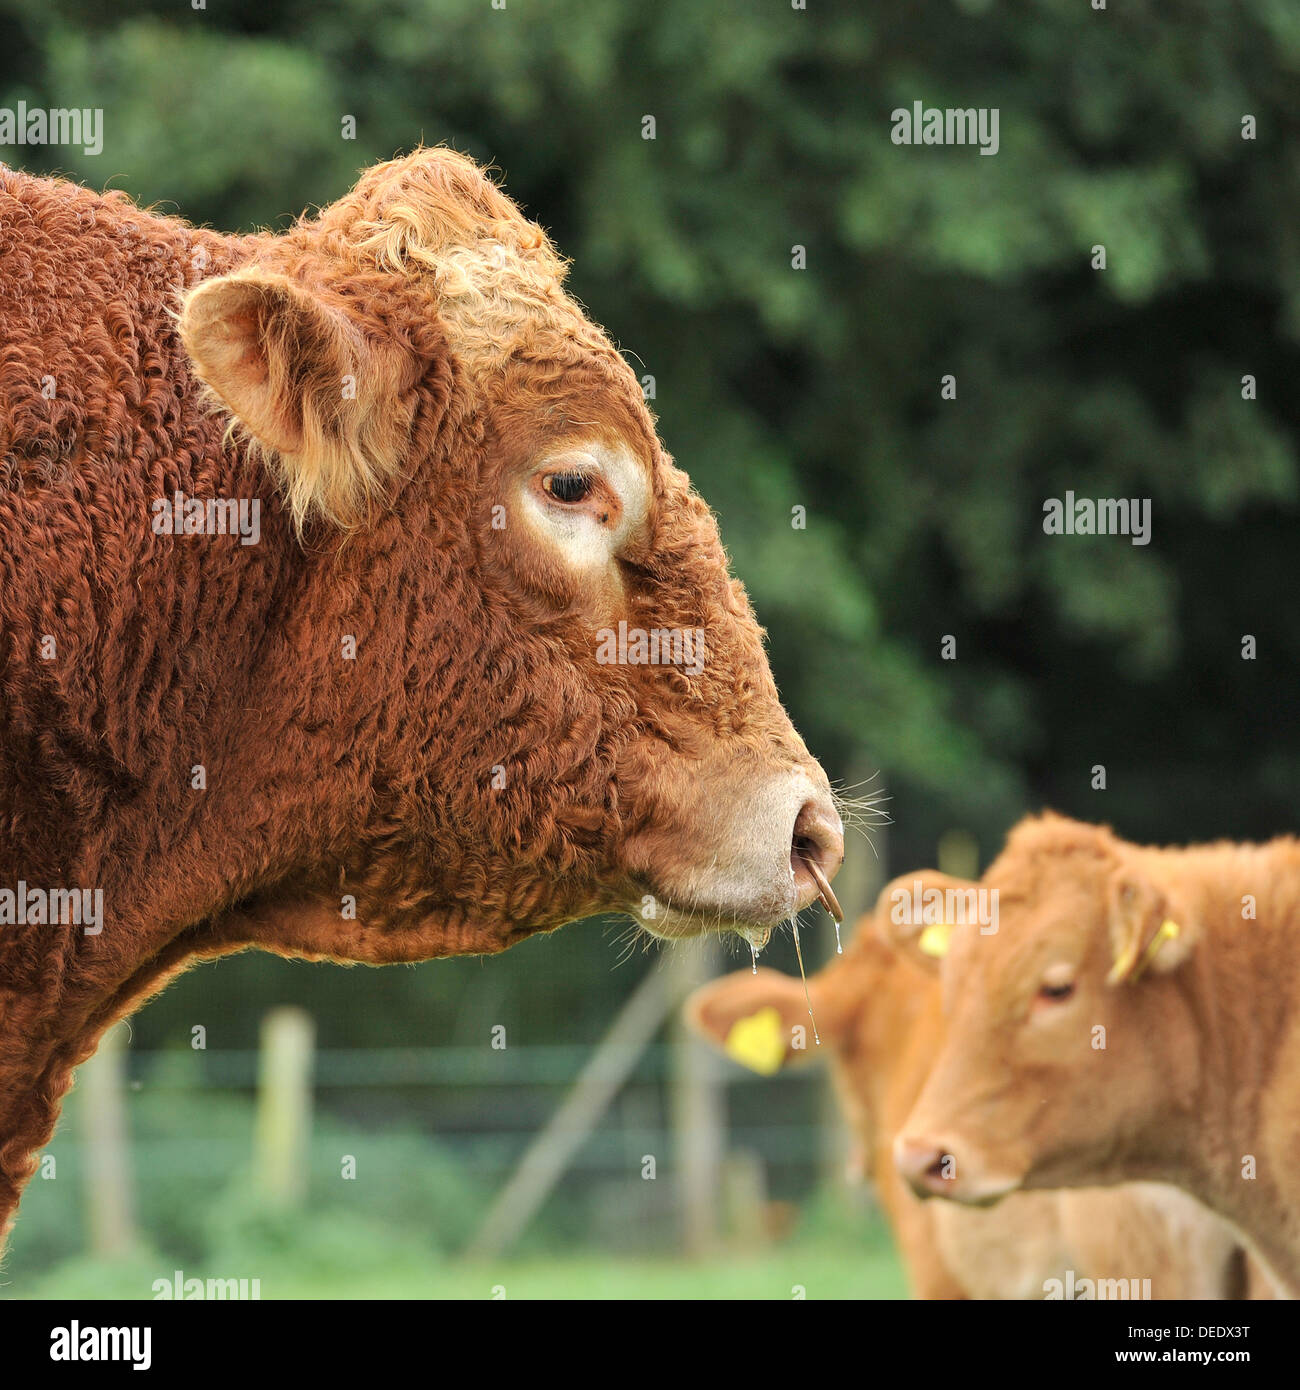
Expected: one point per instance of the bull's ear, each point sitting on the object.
(323, 402)
(761, 1020)
(1146, 930)
(913, 912)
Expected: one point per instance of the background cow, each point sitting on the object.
(1134, 1016)
(881, 1022)
(385, 731)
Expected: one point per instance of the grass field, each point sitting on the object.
(821, 1269)
(768, 1275)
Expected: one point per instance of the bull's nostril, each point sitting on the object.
(817, 849)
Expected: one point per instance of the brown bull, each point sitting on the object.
(350, 608)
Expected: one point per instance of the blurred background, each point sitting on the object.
(225, 1150)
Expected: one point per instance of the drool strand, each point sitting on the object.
(803, 975)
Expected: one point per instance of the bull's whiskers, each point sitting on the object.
(857, 812)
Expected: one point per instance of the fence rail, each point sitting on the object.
(542, 1064)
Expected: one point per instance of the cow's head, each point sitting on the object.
(581, 714)
(1057, 1069)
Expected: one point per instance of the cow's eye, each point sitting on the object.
(567, 487)
(1056, 993)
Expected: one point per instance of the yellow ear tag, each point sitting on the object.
(933, 941)
(1168, 932)
(758, 1042)
(1128, 967)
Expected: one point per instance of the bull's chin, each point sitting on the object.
(683, 920)
(754, 916)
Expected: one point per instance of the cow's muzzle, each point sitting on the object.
(937, 1168)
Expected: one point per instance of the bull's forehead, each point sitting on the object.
(499, 301)
(498, 281)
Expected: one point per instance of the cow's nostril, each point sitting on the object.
(816, 852)
(924, 1165)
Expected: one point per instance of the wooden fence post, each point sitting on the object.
(282, 1132)
(110, 1210)
(696, 1108)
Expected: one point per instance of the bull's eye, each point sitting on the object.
(567, 487)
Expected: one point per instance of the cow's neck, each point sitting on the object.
(1242, 985)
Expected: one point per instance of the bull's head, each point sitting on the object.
(568, 693)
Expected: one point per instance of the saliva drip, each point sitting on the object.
(803, 975)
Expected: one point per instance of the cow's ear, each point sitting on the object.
(1146, 931)
(761, 1020)
(914, 914)
(321, 400)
